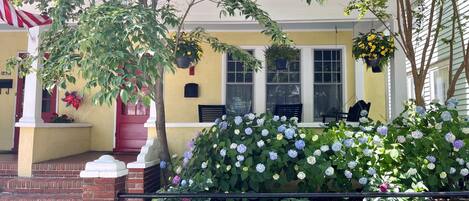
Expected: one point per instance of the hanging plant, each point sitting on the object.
(375, 48)
(73, 99)
(188, 51)
(280, 56)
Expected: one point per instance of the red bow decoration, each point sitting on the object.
(72, 99)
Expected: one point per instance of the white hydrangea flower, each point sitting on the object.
(371, 171)
(238, 164)
(348, 174)
(276, 176)
(237, 131)
(223, 117)
(204, 165)
(324, 148)
(233, 146)
(240, 157)
(260, 143)
(352, 164)
(317, 152)
(217, 166)
(431, 166)
(311, 160)
(251, 116)
(348, 134)
(363, 181)
(260, 168)
(401, 139)
(283, 118)
(215, 146)
(364, 120)
(465, 130)
(302, 136)
(452, 170)
(178, 170)
(191, 182)
(464, 172)
(301, 175)
(367, 152)
(412, 171)
(443, 175)
(329, 171)
(417, 134)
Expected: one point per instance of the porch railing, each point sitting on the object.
(452, 195)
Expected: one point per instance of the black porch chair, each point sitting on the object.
(209, 113)
(289, 110)
(353, 114)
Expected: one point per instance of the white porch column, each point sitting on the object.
(33, 87)
(260, 78)
(398, 79)
(152, 118)
(360, 67)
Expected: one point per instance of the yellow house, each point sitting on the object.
(325, 78)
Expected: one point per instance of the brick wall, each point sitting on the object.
(103, 189)
(141, 180)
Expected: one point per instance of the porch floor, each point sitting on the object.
(91, 156)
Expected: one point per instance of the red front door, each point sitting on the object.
(131, 134)
(49, 101)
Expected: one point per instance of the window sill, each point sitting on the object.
(53, 125)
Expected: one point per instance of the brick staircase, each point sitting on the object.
(50, 181)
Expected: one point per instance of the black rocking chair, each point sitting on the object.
(289, 110)
(353, 114)
(209, 113)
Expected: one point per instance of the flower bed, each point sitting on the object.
(422, 150)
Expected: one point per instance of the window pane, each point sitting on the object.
(327, 100)
(46, 101)
(283, 94)
(238, 99)
(328, 85)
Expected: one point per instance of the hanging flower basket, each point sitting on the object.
(188, 51)
(280, 56)
(72, 99)
(184, 61)
(375, 48)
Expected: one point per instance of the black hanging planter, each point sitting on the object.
(374, 64)
(281, 64)
(184, 61)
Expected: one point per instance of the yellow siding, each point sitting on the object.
(10, 44)
(375, 92)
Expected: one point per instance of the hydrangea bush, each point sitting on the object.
(422, 150)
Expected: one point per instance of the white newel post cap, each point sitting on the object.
(105, 166)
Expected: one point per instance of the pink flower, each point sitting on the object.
(384, 187)
(176, 180)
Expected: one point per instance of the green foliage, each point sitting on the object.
(374, 45)
(188, 46)
(22, 64)
(377, 7)
(277, 51)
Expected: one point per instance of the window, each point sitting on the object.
(440, 84)
(284, 86)
(239, 87)
(328, 83)
(47, 101)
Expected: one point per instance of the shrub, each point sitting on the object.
(422, 150)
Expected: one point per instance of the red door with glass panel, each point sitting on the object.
(131, 134)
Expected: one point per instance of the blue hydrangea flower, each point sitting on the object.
(188, 154)
(420, 110)
(265, 132)
(452, 103)
(241, 148)
(223, 125)
(348, 142)
(273, 155)
(292, 153)
(363, 140)
(458, 144)
(300, 144)
(281, 128)
(336, 147)
(382, 130)
(431, 159)
(183, 182)
(248, 131)
(260, 122)
(217, 121)
(289, 133)
(163, 164)
(446, 116)
(238, 120)
(275, 118)
(371, 171)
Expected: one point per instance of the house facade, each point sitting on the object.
(324, 78)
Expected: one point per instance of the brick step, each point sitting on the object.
(40, 197)
(44, 185)
(8, 169)
(4, 180)
(67, 170)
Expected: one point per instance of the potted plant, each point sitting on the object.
(61, 118)
(375, 48)
(280, 55)
(188, 50)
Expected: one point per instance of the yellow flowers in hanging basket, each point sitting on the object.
(375, 48)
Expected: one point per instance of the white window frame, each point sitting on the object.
(306, 77)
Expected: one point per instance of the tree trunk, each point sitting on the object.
(161, 122)
(418, 89)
